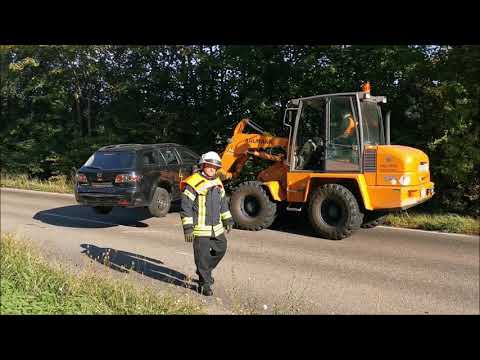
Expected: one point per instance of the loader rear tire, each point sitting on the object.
(251, 207)
(333, 212)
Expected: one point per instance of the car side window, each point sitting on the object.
(169, 156)
(187, 156)
(149, 158)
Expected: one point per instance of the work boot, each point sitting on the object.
(206, 290)
(200, 281)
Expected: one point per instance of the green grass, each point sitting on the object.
(58, 184)
(30, 285)
(450, 223)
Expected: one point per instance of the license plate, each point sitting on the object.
(101, 185)
(423, 193)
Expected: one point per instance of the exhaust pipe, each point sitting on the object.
(387, 128)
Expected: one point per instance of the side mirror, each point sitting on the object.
(288, 116)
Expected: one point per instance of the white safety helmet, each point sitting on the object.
(211, 158)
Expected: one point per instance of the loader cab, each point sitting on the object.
(328, 132)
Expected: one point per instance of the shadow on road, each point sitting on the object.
(294, 223)
(79, 216)
(125, 262)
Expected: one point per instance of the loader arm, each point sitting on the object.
(243, 145)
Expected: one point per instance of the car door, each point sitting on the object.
(149, 169)
(172, 170)
(189, 160)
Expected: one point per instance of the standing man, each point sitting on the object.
(205, 217)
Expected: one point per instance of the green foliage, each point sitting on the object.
(60, 103)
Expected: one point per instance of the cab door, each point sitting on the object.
(343, 137)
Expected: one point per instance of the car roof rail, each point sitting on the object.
(165, 144)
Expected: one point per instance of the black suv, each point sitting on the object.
(134, 175)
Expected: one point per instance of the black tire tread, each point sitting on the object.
(270, 207)
(156, 211)
(356, 216)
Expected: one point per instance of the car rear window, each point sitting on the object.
(111, 160)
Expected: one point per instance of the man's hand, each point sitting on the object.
(189, 237)
(229, 228)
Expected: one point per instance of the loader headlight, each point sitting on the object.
(404, 180)
(423, 167)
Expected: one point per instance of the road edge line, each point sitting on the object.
(426, 231)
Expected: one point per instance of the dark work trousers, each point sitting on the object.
(208, 252)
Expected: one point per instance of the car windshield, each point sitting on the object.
(111, 160)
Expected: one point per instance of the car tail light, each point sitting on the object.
(81, 178)
(123, 202)
(127, 178)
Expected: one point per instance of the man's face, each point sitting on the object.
(209, 170)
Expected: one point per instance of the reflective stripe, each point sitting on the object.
(208, 184)
(189, 195)
(218, 229)
(201, 210)
(206, 233)
(225, 215)
(187, 221)
(207, 230)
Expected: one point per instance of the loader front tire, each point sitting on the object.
(251, 207)
(333, 212)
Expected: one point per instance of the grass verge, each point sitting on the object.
(30, 285)
(58, 184)
(449, 223)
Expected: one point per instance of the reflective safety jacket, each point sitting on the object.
(204, 206)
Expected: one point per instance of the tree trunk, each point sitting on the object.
(89, 119)
(80, 120)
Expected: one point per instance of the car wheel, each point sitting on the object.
(161, 202)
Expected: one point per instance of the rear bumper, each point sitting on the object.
(121, 197)
(394, 198)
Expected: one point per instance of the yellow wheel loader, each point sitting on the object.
(337, 164)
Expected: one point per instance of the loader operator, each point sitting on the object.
(348, 126)
(205, 216)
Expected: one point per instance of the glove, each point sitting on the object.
(189, 237)
(229, 228)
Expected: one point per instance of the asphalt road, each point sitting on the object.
(376, 271)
